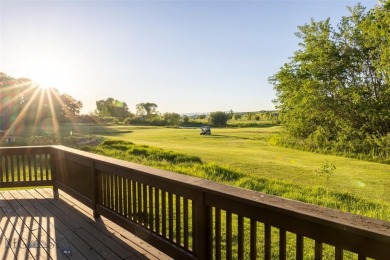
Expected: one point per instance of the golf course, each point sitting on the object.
(249, 157)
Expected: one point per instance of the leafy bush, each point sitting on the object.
(219, 118)
(127, 120)
(108, 120)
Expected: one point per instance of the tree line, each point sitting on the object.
(22, 102)
(334, 93)
(111, 110)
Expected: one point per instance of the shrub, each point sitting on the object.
(219, 118)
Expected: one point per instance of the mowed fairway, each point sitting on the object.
(246, 150)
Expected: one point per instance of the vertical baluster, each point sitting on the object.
(178, 222)
(128, 190)
(112, 192)
(209, 226)
(40, 166)
(1, 169)
(35, 168)
(282, 244)
(102, 176)
(30, 167)
(338, 253)
(120, 197)
(24, 167)
(47, 165)
(7, 174)
(240, 237)
(170, 212)
(151, 208)
(217, 233)
(106, 190)
(163, 214)
(42, 160)
(157, 209)
(228, 235)
(253, 239)
(267, 241)
(18, 167)
(145, 205)
(185, 224)
(299, 247)
(12, 168)
(134, 191)
(5, 169)
(318, 250)
(117, 194)
(125, 197)
(139, 203)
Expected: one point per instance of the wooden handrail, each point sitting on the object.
(25, 166)
(188, 217)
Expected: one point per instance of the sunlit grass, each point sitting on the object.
(192, 165)
(247, 150)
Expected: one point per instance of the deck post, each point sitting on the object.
(202, 243)
(54, 166)
(95, 189)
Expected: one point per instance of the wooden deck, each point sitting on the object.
(183, 216)
(34, 225)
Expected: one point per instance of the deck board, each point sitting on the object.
(34, 225)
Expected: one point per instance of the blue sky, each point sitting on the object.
(185, 56)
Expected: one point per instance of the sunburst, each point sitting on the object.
(30, 97)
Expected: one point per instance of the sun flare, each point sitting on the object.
(49, 74)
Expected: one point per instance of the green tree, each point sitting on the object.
(11, 99)
(111, 107)
(336, 86)
(219, 118)
(171, 118)
(186, 119)
(146, 109)
(70, 106)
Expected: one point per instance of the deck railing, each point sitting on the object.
(192, 218)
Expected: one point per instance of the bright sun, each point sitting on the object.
(48, 75)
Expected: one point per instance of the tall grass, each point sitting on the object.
(368, 149)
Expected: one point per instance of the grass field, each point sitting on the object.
(243, 157)
(246, 150)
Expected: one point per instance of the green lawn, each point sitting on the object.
(246, 150)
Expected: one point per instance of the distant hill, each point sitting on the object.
(236, 113)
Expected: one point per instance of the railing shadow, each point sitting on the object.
(34, 225)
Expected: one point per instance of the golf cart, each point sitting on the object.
(205, 130)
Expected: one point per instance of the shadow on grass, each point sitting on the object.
(110, 132)
(251, 125)
(227, 137)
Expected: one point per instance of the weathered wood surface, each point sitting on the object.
(34, 225)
